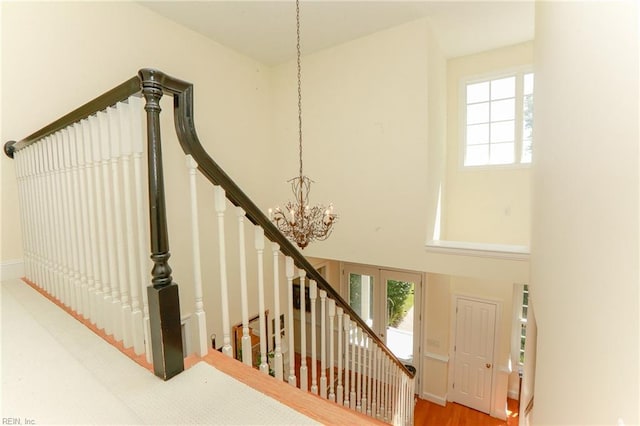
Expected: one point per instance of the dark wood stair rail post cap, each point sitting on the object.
(10, 149)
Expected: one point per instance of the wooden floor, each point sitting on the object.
(430, 414)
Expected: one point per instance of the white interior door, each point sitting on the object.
(473, 353)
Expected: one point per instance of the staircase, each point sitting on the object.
(86, 237)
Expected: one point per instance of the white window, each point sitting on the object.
(519, 334)
(523, 322)
(498, 120)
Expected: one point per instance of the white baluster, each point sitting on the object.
(33, 214)
(323, 343)
(120, 288)
(63, 157)
(53, 249)
(200, 316)
(120, 125)
(44, 187)
(304, 379)
(90, 234)
(353, 336)
(277, 351)
(290, 272)
(102, 278)
(347, 348)
(50, 249)
(29, 211)
(17, 164)
(313, 295)
(398, 393)
(110, 285)
(220, 202)
(396, 401)
(259, 244)
(405, 399)
(383, 387)
(411, 402)
(132, 335)
(376, 381)
(81, 195)
(402, 397)
(36, 218)
(62, 206)
(70, 220)
(41, 199)
(76, 225)
(246, 338)
(339, 388)
(45, 274)
(332, 314)
(22, 208)
(370, 358)
(365, 366)
(393, 394)
(84, 237)
(140, 318)
(359, 371)
(388, 376)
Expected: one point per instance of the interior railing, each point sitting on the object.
(82, 209)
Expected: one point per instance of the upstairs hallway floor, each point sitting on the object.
(57, 371)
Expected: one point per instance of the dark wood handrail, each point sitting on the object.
(107, 99)
(185, 128)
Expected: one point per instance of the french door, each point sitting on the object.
(389, 302)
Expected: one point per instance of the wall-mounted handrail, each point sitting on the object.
(187, 135)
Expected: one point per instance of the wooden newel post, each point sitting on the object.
(164, 303)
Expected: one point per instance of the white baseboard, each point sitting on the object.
(436, 399)
(513, 394)
(11, 269)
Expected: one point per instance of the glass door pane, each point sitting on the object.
(400, 313)
(361, 296)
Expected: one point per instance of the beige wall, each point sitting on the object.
(365, 107)
(584, 265)
(57, 56)
(484, 204)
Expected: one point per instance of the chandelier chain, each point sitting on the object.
(300, 222)
(299, 84)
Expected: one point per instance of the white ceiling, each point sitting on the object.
(265, 30)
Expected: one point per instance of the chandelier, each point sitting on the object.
(298, 221)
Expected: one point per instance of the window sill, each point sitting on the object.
(493, 167)
(465, 248)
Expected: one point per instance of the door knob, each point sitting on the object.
(488, 365)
